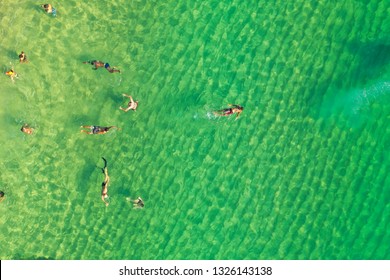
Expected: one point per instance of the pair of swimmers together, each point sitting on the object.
(94, 129)
(11, 73)
(137, 203)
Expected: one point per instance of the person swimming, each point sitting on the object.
(2, 196)
(138, 203)
(11, 73)
(49, 9)
(97, 64)
(132, 105)
(26, 129)
(22, 57)
(105, 182)
(97, 129)
(234, 109)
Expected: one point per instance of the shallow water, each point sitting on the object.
(302, 174)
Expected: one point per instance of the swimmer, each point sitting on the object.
(138, 203)
(132, 105)
(105, 182)
(111, 69)
(95, 63)
(11, 73)
(22, 57)
(2, 196)
(48, 8)
(26, 129)
(96, 129)
(234, 109)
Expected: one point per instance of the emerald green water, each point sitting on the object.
(302, 174)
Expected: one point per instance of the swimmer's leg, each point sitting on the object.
(104, 169)
(105, 162)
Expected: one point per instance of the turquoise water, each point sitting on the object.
(302, 174)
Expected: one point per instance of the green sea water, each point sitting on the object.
(302, 174)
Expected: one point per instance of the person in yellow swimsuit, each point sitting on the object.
(11, 73)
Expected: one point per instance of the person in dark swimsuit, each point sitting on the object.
(138, 203)
(234, 109)
(2, 196)
(105, 182)
(22, 57)
(94, 129)
(111, 69)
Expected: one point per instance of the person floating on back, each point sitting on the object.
(94, 129)
(105, 182)
(22, 57)
(234, 109)
(97, 64)
(132, 105)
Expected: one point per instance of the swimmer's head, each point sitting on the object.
(2, 194)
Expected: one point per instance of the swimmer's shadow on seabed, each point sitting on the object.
(372, 58)
(13, 58)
